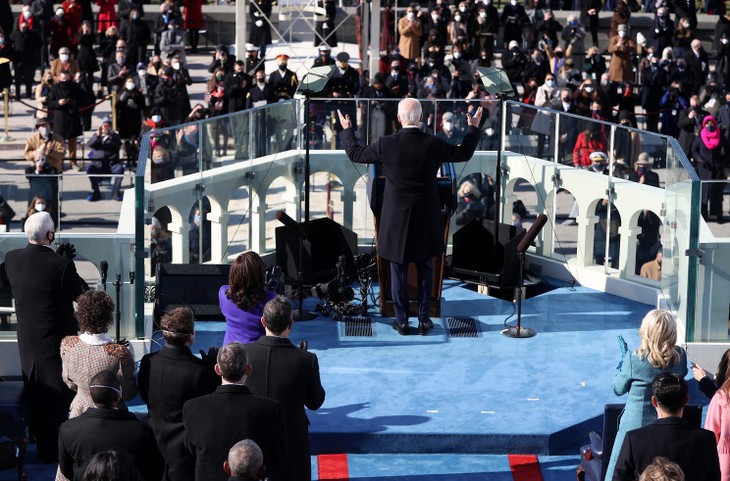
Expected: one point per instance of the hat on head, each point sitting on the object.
(624, 115)
(343, 57)
(643, 159)
(599, 156)
(448, 116)
(250, 47)
(324, 48)
(40, 122)
(513, 44)
(141, 65)
(623, 28)
(107, 120)
(282, 56)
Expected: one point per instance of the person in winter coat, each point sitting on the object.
(107, 15)
(621, 47)
(194, 22)
(27, 44)
(709, 151)
(65, 98)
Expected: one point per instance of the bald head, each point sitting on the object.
(245, 459)
(409, 112)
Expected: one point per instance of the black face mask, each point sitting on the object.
(710, 128)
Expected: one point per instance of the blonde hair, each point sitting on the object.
(658, 333)
(662, 469)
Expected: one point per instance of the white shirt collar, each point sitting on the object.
(95, 339)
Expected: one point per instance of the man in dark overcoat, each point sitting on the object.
(290, 375)
(65, 98)
(103, 428)
(167, 379)
(44, 285)
(410, 223)
(214, 423)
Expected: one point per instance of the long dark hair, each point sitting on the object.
(246, 281)
(722, 371)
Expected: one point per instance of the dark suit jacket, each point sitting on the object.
(99, 430)
(214, 423)
(694, 65)
(410, 222)
(44, 285)
(167, 379)
(289, 375)
(691, 447)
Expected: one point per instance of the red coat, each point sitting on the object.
(107, 14)
(584, 148)
(73, 15)
(194, 15)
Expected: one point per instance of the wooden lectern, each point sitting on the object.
(447, 192)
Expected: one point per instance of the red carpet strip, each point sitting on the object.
(333, 467)
(525, 467)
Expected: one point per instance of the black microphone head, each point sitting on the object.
(280, 214)
(104, 265)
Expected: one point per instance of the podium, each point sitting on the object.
(446, 184)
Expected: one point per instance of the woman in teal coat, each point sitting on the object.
(657, 353)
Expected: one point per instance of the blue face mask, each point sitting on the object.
(196, 218)
(192, 138)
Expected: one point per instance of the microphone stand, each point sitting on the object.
(518, 331)
(118, 312)
(301, 314)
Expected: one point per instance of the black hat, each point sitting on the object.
(343, 57)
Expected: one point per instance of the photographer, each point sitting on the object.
(45, 152)
(574, 35)
(473, 204)
(514, 61)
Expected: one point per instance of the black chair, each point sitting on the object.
(594, 457)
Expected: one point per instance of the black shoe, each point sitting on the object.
(425, 326)
(401, 328)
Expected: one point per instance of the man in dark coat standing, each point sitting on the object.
(45, 316)
(691, 447)
(410, 223)
(214, 423)
(104, 428)
(167, 379)
(65, 98)
(283, 372)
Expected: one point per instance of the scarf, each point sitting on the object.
(710, 139)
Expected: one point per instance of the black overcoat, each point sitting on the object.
(66, 118)
(214, 423)
(44, 285)
(289, 375)
(410, 223)
(167, 379)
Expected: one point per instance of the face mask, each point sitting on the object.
(63, 57)
(448, 126)
(43, 131)
(159, 160)
(134, 17)
(260, 81)
(685, 24)
(395, 69)
(622, 34)
(559, 54)
(26, 15)
(550, 83)
(129, 85)
(598, 167)
(40, 207)
(435, 18)
(196, 218)
(457, 18)
(120, 60)
(513, 3)
(724, 41)
(410, 15)
(283, 66)
(641, 170)
(482, 14)
(457, 55)
(156, 118)
(710, 128)
(589, 89)
(142, 72)
(573, 23)
(60, 15)
(462, 9)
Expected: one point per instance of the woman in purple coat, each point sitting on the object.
(242, 300)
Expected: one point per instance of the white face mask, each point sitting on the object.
(156, 118)
(176, 66)
(26, 15)
(410, 15)
(43, 131)
(435, 18)
(40, 207)
(142, 72)
(483, 14)
(622, 34)
(457, 18)
(129, 85)
(685, 24)
(724, 41)
(63, 57)
(462, 9)
(513, 3)
(457, 55)
(448, 126)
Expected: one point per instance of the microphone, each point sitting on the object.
(293, 225)
(532, 233)
(104, 266)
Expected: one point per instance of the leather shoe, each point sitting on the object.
(425, 326)
(401, 328)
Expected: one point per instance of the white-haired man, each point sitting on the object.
(44, 284)
(410, 224)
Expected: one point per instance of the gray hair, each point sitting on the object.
(37, 226)
(232, 361)
(245, 459)
(277, 314)
(409, 111)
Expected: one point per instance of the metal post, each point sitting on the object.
(6, 113)
(114, 111)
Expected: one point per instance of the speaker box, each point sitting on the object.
(192, 285)
(325, 242)
(476, 257)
